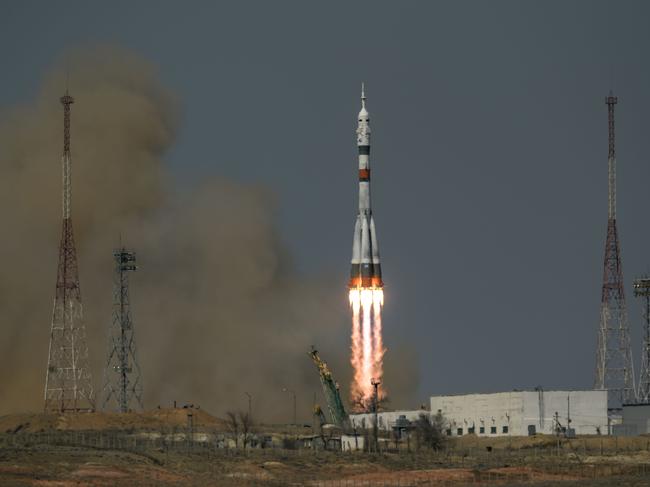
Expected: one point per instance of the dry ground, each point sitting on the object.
(72, 466)
(149, 420)
(25, 460)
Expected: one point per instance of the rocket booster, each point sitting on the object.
(365, 270)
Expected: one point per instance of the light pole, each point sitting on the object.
(250, 409)
(294, 403)
(375, 384)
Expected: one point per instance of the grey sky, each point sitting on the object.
(489, 152)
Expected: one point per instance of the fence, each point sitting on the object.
(474, 466)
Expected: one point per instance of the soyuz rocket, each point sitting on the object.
(365, 270)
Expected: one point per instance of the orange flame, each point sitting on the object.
(367, 344)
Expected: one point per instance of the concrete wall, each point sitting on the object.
(587, 409)
(488, 414)
(511, 413)
(636, 419)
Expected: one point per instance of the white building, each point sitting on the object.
(521, 413)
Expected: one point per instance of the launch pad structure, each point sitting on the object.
(330, 390)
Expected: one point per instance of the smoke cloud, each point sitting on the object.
(218, 309)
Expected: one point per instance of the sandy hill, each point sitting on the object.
(148, 420)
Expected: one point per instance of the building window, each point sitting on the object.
(448, 432)
(481, 430)
(493, 430)
(471, 430)
(505, 429)
(459, 431)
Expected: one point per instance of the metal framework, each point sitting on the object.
(614, 368)
(330, 390)
(122, 384)
(642, 289)
(68, 381)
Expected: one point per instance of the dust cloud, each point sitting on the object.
(218, 309)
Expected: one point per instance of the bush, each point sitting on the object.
(429, 431)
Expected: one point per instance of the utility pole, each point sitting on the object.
(294, 404)
(68, 381)
(557, 431)
(375, 406)
(568, 415)
(190, 429)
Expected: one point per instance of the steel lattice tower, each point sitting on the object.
(614, 369)
(68, 381)
(122, 385)
(642, 289)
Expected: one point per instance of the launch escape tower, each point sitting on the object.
(614, 369)
(68, 382)
(642, 289)
(122, 383)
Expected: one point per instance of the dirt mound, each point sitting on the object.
(149, 420)
(413, 478)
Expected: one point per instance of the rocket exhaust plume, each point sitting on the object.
(366, 286)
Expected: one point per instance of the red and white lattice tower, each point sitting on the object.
(68, 382)
(614, 369)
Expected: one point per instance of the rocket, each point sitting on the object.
(365, 270)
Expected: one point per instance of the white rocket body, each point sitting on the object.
(365, 270)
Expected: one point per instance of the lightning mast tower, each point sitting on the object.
(68, 381)
(642, 289)
(614, 369)
(122, 385)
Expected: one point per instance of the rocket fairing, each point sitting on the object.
(365, 270)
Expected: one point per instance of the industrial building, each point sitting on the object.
(516, 413)
(522, 413)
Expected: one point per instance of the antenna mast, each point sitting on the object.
(122, 389)
(642, 289)
(614, 369)
(68, 381)
(611, 101)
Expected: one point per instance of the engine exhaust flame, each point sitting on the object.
(367, 344)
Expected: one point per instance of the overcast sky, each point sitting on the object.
(489, 152)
